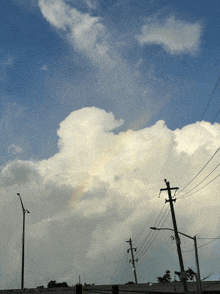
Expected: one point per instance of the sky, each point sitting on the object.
(101, 100)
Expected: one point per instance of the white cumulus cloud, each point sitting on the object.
(175, 36)
(98, 191)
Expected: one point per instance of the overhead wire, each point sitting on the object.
(199, 171)
(213, 92)
(201, 187)
(200, 181)
(209, 238)
(208, 242)
(203, 244)
(151, 230)
(155, 233)
(153, 238)
(147, 239)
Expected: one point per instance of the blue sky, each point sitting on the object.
(48, 78)
(76, 69)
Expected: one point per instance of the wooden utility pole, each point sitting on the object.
(197, 265)
(177, 238)
(132, 259)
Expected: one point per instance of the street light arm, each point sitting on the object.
(159, 229)
(21, 202)
(154, 228)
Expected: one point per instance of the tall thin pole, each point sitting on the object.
(132, 259)
(23, 239)
(22, 269)
(197, 265)
(177, 238)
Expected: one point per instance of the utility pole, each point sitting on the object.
(132, 259)
(23, 247)
(197, 265)
(177, 238)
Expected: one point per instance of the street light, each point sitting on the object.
(23, 234)
(196, 254)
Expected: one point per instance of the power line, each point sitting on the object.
(201, 181)
(204, 244)
(209, 238)
(153, 238)
(150, 230)
(199, 171)
(213, 92)
(148, 236)
(201, 188)
(146, 249)
(154, 224)
(209, 242)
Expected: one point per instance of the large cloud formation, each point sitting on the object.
(98, 191)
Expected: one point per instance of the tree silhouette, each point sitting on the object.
(166, 278)
(51, 284)
(54, 284)
(190, 274)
